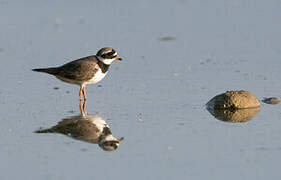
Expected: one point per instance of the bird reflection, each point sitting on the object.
(88, 128)
(234, 115)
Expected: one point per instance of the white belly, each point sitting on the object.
(98, 76)
(97, 121)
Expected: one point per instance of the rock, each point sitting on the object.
(234, 100)
(271, 100)
(234, 115)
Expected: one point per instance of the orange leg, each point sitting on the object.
(80, 93)
(84, 93)
(82, 107)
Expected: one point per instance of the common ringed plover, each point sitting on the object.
(86, 70)
(88, 128)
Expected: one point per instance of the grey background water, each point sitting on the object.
(177, 56)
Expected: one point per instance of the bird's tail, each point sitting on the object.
(46, 70)
(45, 131)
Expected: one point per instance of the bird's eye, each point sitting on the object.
(105, 56)
(110, 54)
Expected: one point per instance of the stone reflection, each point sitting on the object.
(88, 128)
(234, 115)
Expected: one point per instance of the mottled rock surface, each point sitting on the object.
(234, 100)
(234, 115)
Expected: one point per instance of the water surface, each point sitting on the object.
(177, 56)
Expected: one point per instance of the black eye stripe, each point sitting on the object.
(109, 55)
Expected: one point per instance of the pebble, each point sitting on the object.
(234, 100)
(271, 100)
(167, 38)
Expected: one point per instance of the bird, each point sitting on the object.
(88, 128)
(84, 71)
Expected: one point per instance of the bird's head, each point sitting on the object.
(107, 55)
(111, 144)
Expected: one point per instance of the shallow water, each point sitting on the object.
(177, 56)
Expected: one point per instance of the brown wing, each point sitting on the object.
(77, 127)
(81, 69)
